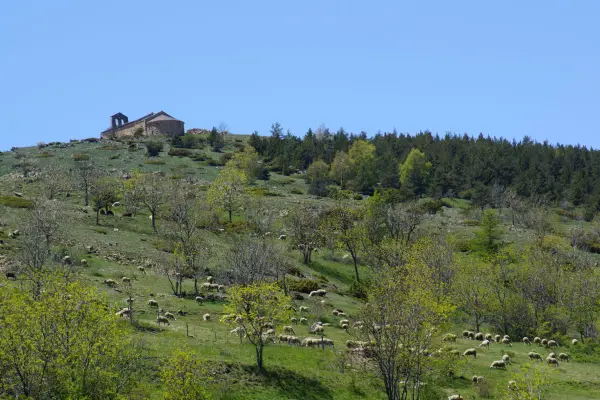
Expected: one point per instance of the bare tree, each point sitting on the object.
(52, 180)
(104, 192)
(498, 196)
(182, 228)
(85, 174)
(304, 225)
(252, 260)
(260, 218)
(401, 221)
(153, 190)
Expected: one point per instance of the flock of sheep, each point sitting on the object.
(487, 339)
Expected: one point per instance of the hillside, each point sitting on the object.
(527, 237)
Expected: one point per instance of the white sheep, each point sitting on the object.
(449, 337)
(563, 357)
(479, 336)
(206, 317)
(152, 303)
(534, 356)
(126, 280)
(455, 397)
(526, 341)
(470, 352)
(317, 329)
(141, 269)
(506, 342)
(209, 279)
(294, 320)
(303, 309)
(574, 342)
(485, 343)
(498, 364)
(221, 288)
(83, 262)
(288, 329)
(293, 340)
(552, 361)
(512, 385)
(537, 340)
(283, 338)
(497, 338)
(303, 320)
(169, 315)
(544, 342)
(506, 358)
(344, 322)
(123, 313)
(164, 320)
(110, 282)
(552, 343)
(345, 327)
(199, 299)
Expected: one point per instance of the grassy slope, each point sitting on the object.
(294, 372)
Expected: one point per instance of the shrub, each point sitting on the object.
(80, 157)
(302, 285)
(44, 154)
(15, 202)
(154, 147)
(357, 196)
(296, 191)
(214, 163)
(226, 157)
(199, 157)
(177, 152)
(139, 132)
(261, 191)
(108, 147)
(358, 290)
(431, 206)
(115, 157)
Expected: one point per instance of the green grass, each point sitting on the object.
(15, 202)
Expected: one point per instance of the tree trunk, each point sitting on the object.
(98, 216)
(87, 196)
(196, 286)
(355, 266)
(230, 212)
(259, 356)
(154, 220)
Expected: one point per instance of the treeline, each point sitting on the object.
(452, 165)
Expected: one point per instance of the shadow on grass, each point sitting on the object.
(291, 384)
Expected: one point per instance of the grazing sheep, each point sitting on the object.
(506, 337)
(455, 397)
(221, 288)
(110, 282)
(488, 336)
(13, 276)
(317, 329)
(294, 320)
(126, 280)
(449, 337)
(341, 314)
(181, 313)
(465, 334)
(497, 338)
(498, 364)
(479, 336)
(552, 361)
(213, 286)
(534, 356)
(485, 343)
(506, 358)
(283, 338)
(141, 269)
(480, 379)
(537, 340)
(83, 262)
(470, 352)
(199, 299)
(344, 321)
(206, 317)
(209, 279)
(270, 332)
(123, 313)
(335, 313)
(512, 385)
(472, 335)
(66, 260)
(506, 342)
(455, 353)
(551, 355)
(319, 292)
(289, 329)
(162, 320)
(282, 237)
(152, 303)
(474, 379)
(303, 309)
(544, 342)
(345, 327)
(574, 342)
(552, 343)
(526, 341)
(327, 342)
(169, 315)
(303, 320)
(563, 357)
(293, 340)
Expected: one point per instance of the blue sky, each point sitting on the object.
(509, 68)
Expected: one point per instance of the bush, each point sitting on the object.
(199, 157)
(296, 191)
(138, 133)
(302, 285)
(357, 196)
(214, 163)
(115, 157)
(176, 152)
(358, 290)
(226, 157)
(15, 202)
(80, 157)
(108, 147)
(431, 206)
(44, 154)
(154, 147)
